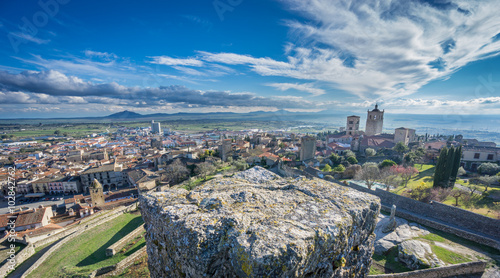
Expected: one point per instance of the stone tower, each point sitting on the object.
(352, 126)
(307, 147)
(96, 193)
(374, 121)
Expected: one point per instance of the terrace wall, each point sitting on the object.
(443, 217)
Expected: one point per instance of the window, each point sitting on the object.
(350, 122)
(490, 156)
(350, 128)
(477, 155)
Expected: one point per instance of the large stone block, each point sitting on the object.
(274, 228)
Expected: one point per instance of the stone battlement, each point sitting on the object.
(256, 224)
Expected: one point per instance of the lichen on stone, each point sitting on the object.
(257, 224)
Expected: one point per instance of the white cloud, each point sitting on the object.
(378, 49)
(169, 61)
(307, 87)
(104, 55)
(30, 38)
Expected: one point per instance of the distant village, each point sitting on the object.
(66, 179)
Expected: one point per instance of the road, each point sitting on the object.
(5, 209)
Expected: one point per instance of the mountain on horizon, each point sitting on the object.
(125, 115)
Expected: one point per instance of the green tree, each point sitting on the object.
(349, 153)
(488, 169)
(370, 152)
(57, 132)
(386, 163)
(335, 159)
(339, 168)
(327, 168)
(352, 160)
(450, 161)
(400, 148)
(440, 168)
(456, 164)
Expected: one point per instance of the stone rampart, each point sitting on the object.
(85, 228)
(256, 224)
(464, 269)
(113, 249)
(20, 257)
(481, 226)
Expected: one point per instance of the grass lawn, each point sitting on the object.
(484, 206)
(388, 262)
(426, 171)
(448, 256)
(77, 130)
(440, 236)
(87, 252)
(137, 270)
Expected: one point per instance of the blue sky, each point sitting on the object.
(83, 58)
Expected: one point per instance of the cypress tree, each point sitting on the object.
(439, 170)
(450, 161)
(456, 165)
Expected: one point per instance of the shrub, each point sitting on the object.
(386, 163)
(339, 168)
(488, 169)
(352, 160)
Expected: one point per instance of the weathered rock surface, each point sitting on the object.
(265, 227)
(417, 254)
(404, 230)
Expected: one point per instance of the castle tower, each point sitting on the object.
(374, 121)
(352, 126)
(96, 193)
(307, 147)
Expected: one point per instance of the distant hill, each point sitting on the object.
(125, 115)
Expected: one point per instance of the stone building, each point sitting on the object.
(472, 157)
(96, 193)
(80, 155)
(374, 122)
(307, 147)
(109, 175)
(156, 142)
(225, 150)
(405, 135)
(352, 126)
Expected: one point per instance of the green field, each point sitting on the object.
(26, 131)
(87, 252)
(481, 205)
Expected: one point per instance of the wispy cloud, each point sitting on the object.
(169, 61)
(104, 55)
(30, 38)
(375, 49)
(306, 87)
